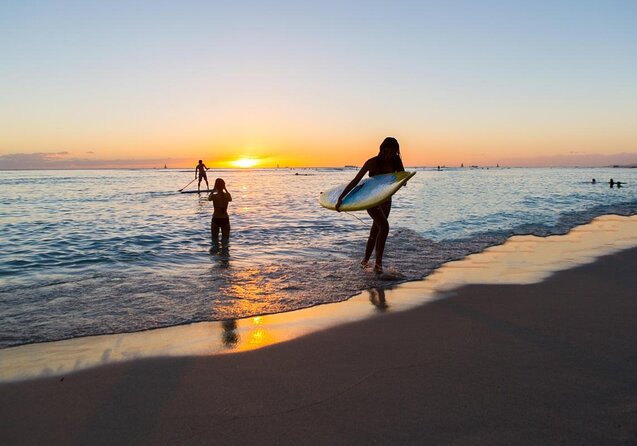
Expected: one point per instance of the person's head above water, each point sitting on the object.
(220, 185)
(389, 147)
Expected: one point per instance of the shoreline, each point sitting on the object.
(548, 361)
(522, 259)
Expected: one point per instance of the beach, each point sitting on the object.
(318, 223)
(547, 361)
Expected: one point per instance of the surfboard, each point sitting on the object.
(367, 194)
(202, 191)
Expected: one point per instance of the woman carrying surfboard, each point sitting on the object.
(387, 161)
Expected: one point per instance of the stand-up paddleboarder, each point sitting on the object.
(201, 171)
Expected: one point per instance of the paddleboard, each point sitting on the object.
(202, 191)
(367, 194)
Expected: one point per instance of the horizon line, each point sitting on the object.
(613, 166)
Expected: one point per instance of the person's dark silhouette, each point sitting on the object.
(220, 198)
(611, 182)
(200, 171)
(594, 181)
(387, 161)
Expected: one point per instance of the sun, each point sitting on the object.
(245, 162)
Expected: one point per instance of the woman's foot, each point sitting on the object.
(364, 263)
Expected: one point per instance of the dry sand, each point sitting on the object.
(547, 363)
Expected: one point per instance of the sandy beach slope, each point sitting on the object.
(547, 363)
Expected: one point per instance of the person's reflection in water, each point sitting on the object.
(377, 297)
(221, 253)
(229, 337)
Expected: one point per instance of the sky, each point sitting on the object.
(296, 83)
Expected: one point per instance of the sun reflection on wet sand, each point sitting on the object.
(521, 260)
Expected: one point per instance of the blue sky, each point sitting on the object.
(314, 83)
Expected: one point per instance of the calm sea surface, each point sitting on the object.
(92, 252)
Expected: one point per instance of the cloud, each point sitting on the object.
(65, 160)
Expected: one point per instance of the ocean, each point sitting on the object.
(91, 252)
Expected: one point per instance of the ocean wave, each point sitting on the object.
(121, 251)
(224, 288)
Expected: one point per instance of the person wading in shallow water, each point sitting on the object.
(220, 198)
(387, 161)
(200, 171)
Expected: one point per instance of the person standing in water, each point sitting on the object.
(387, 161)
(220, 198)
(201, 171)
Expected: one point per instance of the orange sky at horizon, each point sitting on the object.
(288, 138)
(430, 150)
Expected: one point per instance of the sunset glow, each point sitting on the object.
(245, 97)
(245, 163)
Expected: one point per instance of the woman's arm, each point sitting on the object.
(228, 196)
(399, 165)
(359, 176)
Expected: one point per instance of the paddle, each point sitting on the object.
(187, 185)
(190, 182)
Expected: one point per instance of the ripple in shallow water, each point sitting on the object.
(126, 253)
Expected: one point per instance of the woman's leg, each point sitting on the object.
(214, 232)
(371, 241)
(382, 225)
(225, 232)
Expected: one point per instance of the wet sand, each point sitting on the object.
(552, 362)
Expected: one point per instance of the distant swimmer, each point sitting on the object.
(200, 171)
(220, 198)
(594, 181)
(619, 184)
(387, 161)
(611, 182)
